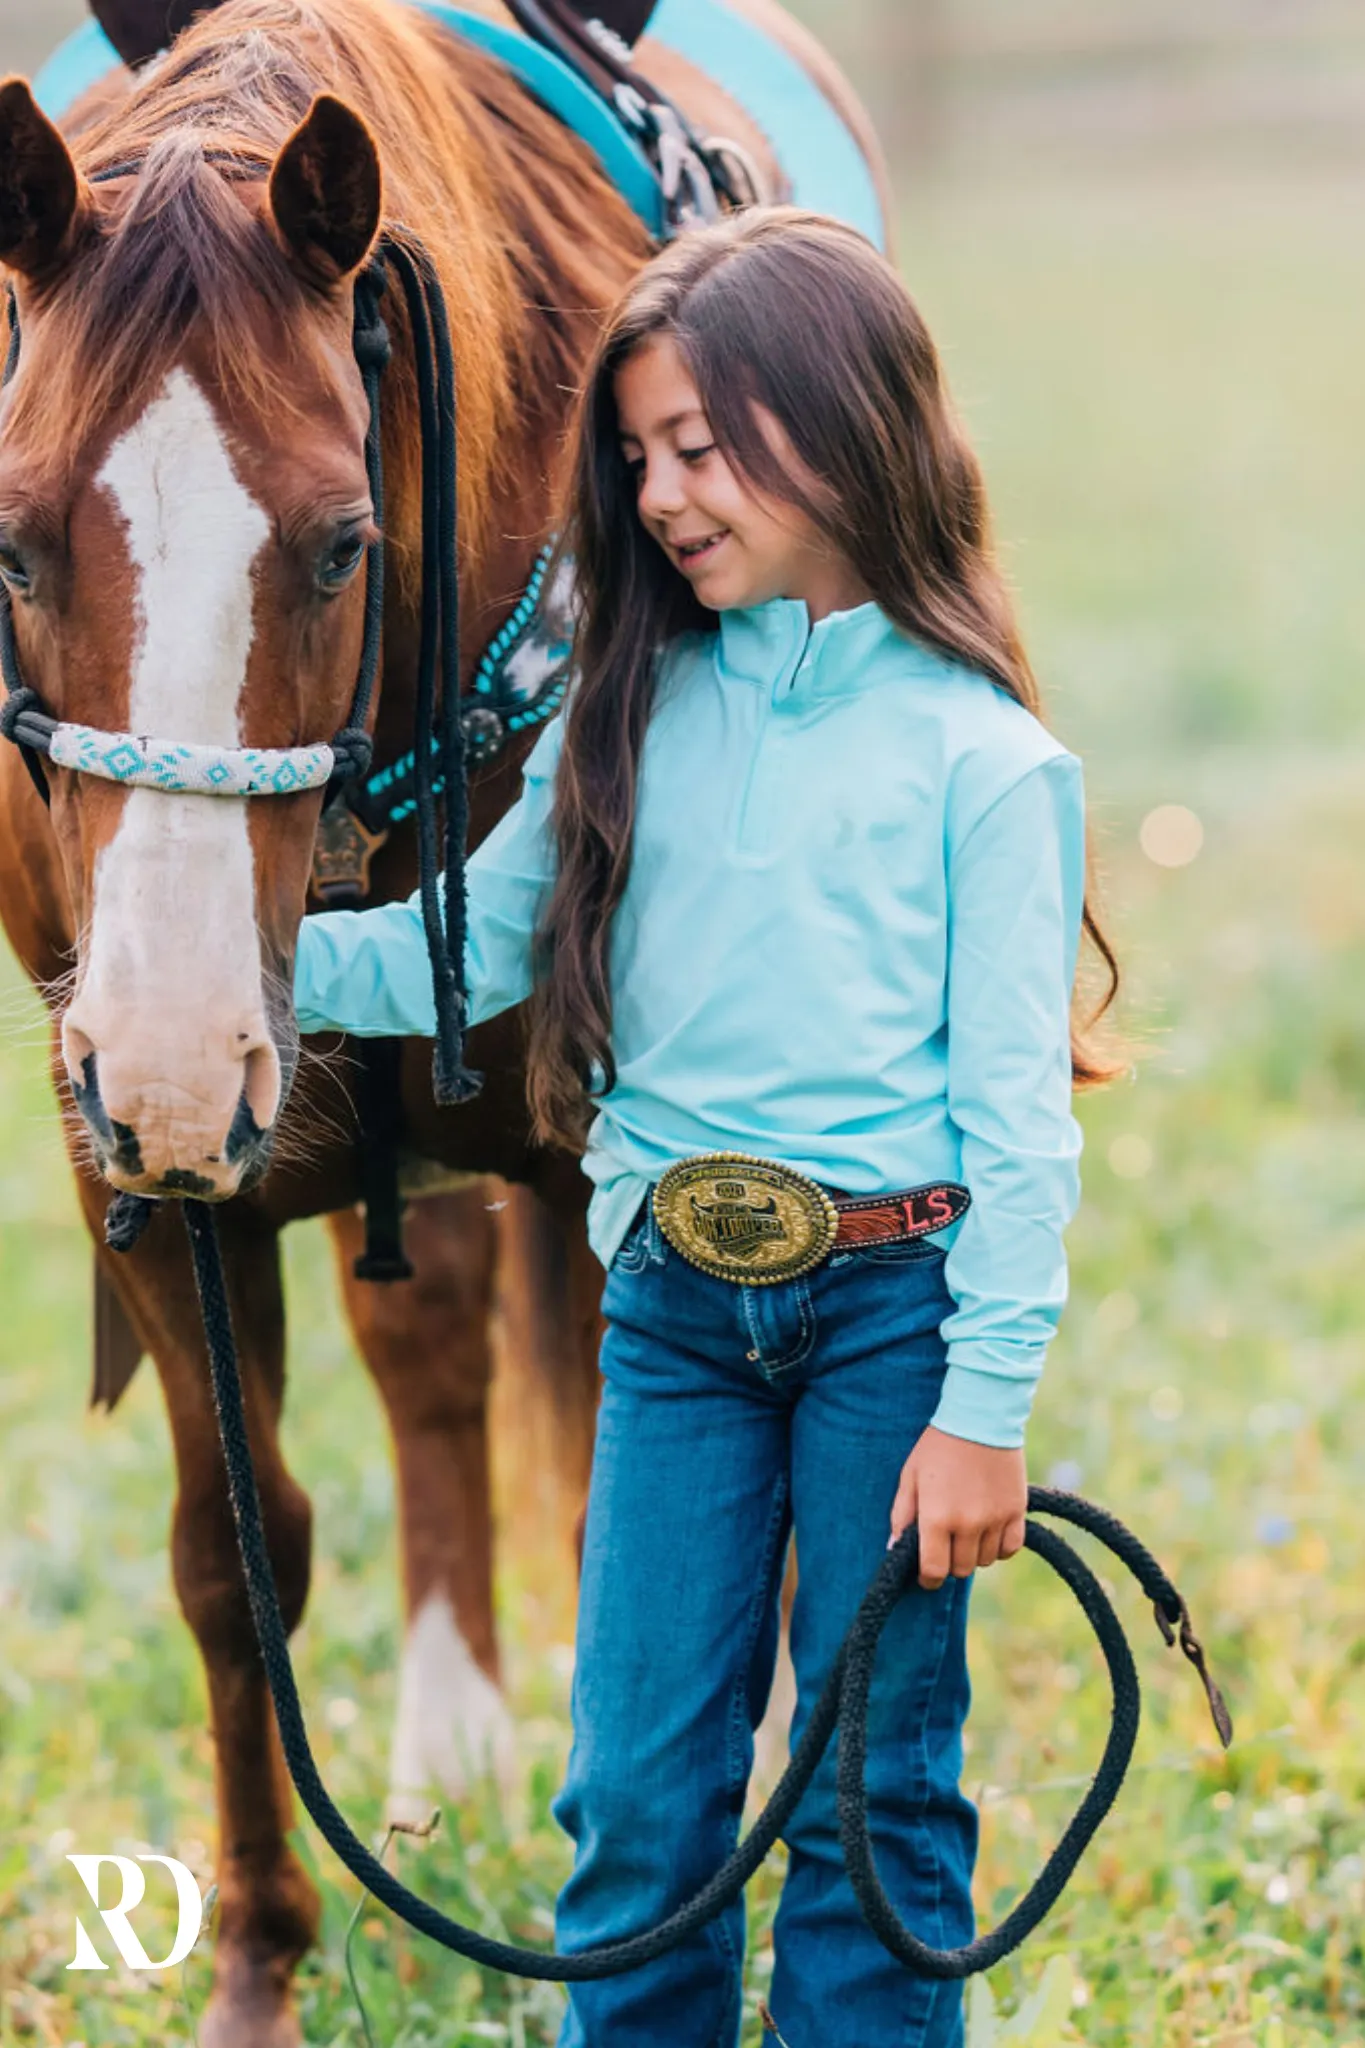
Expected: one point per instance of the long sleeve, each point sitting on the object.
(1015, 887)
(366, 971)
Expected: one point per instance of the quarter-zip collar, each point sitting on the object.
(776, 645)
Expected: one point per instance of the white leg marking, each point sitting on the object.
(452, 1724)
(171, 981)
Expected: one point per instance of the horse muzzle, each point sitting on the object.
(156, 1134)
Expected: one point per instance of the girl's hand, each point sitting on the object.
(969, 1500)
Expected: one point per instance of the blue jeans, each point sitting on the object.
(732, 1416)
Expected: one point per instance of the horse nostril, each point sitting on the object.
(261, 1085)
(78, 1051)
(80, 1060)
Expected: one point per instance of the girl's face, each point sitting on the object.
(735, 545)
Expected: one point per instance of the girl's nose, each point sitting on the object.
(661, 492)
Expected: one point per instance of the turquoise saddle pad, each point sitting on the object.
(823, 162)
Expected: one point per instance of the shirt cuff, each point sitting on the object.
(987, 1396)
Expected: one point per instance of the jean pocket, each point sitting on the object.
(637, 1246)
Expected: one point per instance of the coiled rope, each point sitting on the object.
(842, 1704)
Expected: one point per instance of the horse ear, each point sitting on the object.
(140, 29)
(41, 191)
(327, 192)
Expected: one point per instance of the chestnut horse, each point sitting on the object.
(183, 510)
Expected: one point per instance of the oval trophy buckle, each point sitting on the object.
(745, 1219)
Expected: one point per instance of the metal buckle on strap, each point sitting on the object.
(685, 180)
(745, 1219)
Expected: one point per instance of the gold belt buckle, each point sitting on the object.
(745, 1219)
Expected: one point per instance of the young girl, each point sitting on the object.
(799, 876)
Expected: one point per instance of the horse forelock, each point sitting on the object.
(177, 255)
(530, 243)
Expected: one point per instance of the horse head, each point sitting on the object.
(184, 519)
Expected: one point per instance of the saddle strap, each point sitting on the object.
(697, 180)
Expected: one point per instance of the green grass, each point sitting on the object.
(1166, 392)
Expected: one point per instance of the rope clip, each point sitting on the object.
(1177, 1629)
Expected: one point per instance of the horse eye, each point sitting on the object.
(339, 564)
(12, 569)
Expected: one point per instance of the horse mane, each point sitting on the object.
(530, 240)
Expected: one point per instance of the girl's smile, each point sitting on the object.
(736, 545)
(692, 552)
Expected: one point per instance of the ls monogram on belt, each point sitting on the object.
(756, 1223)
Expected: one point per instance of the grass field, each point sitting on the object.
(1165, 386)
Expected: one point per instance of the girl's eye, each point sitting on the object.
(697, 454)
(13, 571)
(341, 561)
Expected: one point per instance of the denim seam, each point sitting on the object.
(946, 1609)
(754, 1621)
(805, 1340)
(733, 1735)
(720, 1934)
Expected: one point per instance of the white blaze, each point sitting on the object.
(171, 980)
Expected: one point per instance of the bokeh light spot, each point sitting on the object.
(1171, 835)
(1130, 1156)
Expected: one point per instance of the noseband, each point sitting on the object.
(181, 768)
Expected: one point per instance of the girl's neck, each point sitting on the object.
(841, 590)
(827, 583)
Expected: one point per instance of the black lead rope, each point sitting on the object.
(842, 1705)
(439, 660)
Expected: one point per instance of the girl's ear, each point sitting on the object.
(43, 198)
(327, 192)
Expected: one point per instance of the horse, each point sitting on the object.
(184, 516)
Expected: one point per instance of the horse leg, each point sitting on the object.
(426, 1342)
(550, 1287)
(269, 1909)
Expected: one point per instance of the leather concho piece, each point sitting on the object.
(342, 853)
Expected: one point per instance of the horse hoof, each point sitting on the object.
(250, 2006)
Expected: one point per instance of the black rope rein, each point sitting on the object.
(842, 1705)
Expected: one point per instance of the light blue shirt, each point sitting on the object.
(847, 943)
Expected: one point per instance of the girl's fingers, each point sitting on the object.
(966, 1554)
(1012, 1539)
(935, 1555)
(988, 1548)
(904, 1507)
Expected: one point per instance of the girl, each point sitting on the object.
(799, 877)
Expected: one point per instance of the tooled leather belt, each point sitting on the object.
(889, 1219)
(757, 1223)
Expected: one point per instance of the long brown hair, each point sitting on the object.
(798, 314)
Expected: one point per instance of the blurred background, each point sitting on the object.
(1136, 230)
